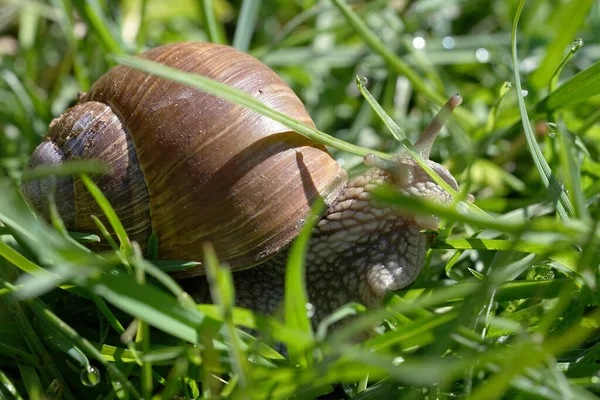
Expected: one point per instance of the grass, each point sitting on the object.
(507, 305)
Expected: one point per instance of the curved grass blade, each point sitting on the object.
(152, 305)
(223, 295)
(576, 90)
(563, 204)
(45, 314)
(296, 298)
(245, 24)
(401, 137)
(92, 12)
(577, 43)
(214, 30)
(109, 212)
(566, 19)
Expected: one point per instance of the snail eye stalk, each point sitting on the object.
(427, 137)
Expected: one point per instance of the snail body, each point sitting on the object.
(195, 168)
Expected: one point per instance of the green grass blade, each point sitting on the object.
(399, 135)
(19, 355)
(7, 384)
(213, 29)
(24, 264)
(150, 304)
(31, 381)
(296, 298)
(92, 12)
(250, 320)
(569, 155)
(109, 212)
(566, 19)
(223, 295)
(577, 43)
(44, 313)
(30, 335)
(574, 91)
(564, 207)
(245, 24)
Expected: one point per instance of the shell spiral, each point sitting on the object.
(188, 165)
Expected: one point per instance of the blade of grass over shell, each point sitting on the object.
(84, 237)
(161, 276)
(296, 297)
(104, 232)
(563, 205)
(109, 212)
(401, 137)
(213, 28)
(245, 24)
(243, 99)
(397, 64)
(176, 265)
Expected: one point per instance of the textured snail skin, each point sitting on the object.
(359, 249)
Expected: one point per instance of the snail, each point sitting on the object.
(194, 168)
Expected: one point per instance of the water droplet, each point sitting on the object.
(448, 42)
(397, 361)
(90, 376)
(310, 310)
(482, 55)
(364, 81)
(578, 42)
(524, 92)
(418, 42)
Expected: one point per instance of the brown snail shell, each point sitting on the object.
(188, 165)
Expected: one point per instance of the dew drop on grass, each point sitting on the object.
(397, 361)
(364, 81)
(90, 376)
(310, 310)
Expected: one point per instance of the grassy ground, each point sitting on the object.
(507, 305)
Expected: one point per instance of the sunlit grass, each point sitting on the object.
(506, 306)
